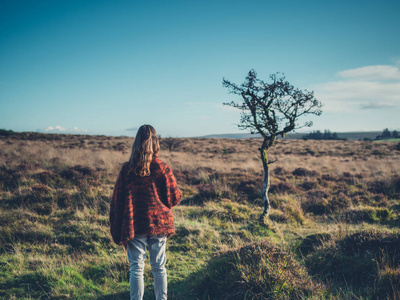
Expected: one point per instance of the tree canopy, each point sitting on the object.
(272, 109)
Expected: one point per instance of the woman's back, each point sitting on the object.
(147, 201)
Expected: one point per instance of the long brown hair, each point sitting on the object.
(144, 148)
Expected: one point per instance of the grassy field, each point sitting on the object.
(333, 232)
(390, 140)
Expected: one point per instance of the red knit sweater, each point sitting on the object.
(142, 205)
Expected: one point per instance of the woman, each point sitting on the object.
(140, 211)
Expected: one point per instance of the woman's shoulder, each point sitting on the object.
(124, 167)
(158, 164)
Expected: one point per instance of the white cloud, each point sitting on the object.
(78, 130)
(372, 73)
(370, 87)
(56, 128)
(60, 129)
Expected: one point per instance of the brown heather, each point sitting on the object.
(333, 231)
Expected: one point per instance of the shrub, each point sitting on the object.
(290, 214)
(302, 172)
(281, 187)
(295, 213)
(329, 177)
(312, 241)
(203, 175)
(38, 198)
(389, 187)
(356, 259)
(208, 191)
(388, 284)
(65, 199)
(380, 200)
(367, 214)
(278, 216)
(317, 194)
(339, 202)
(9, 179)
(290, 210)
(119, 146)
(280, 171)
(184, 176)
(317, 206)
(309, 185)
(372, 242)
(347, 178)
(252, 188)
(257, 271)
(316, 202)
(49, 178)
(4, 132)
(81, 175)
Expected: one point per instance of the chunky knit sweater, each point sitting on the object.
(142, 205)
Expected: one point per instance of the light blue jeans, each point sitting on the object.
(136, 250)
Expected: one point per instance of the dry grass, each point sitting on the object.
(222, 155)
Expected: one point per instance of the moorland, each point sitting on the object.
(333, 231)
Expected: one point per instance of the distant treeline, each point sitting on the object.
(386, 134)
(4, 132)
(318, 135)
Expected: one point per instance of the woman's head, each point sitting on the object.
(144, 148)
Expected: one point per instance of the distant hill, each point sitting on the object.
(230, 136)
(351, 136)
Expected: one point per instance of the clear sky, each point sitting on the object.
(107, 67)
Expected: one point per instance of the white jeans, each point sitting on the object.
(136, 250)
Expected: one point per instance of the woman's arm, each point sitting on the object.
(117, 205)
(174, 194)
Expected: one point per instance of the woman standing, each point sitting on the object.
(140, 211)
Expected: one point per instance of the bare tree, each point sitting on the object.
(272, 110)
(171, 143)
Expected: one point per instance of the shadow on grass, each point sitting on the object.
(176, 291)
(120, 295)
(180, 290)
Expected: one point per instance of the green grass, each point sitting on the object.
(69, 255)
(389, 140)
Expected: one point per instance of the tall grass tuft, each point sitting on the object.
(258, 271)
(368, 256)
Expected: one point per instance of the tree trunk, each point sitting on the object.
(267, 206)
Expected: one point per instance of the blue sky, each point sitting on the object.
(107, 67)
